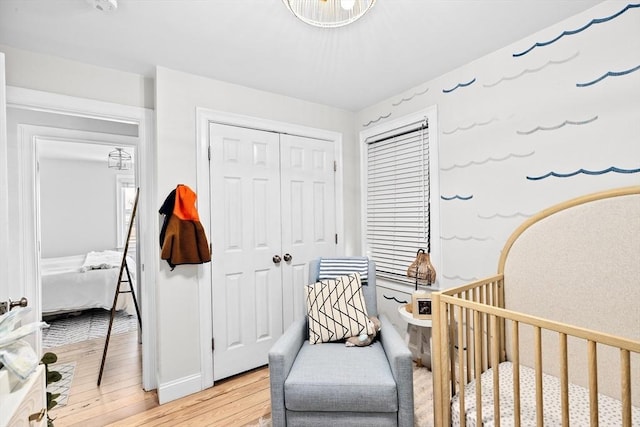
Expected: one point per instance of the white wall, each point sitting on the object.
(177, 96)
(505, 119)
(54, 74)
(78, 206)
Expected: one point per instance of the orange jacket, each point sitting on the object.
(182, 238)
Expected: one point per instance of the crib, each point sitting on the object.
(553, 339)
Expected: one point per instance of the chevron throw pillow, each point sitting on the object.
(336, 309)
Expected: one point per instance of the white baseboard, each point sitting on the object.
(179, 388)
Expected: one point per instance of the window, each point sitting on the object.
(399, 212)
(125, 199)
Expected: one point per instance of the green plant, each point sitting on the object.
(52, 376)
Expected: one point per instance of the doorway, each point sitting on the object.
(130, 126)
(82, 208)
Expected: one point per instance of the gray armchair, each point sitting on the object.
(330, 384)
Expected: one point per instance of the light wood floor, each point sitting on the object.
(120, 400)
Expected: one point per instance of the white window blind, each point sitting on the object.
(398, 211)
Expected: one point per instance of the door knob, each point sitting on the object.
(288, 257)
(9, 305)
(22, 302)
(276, 259)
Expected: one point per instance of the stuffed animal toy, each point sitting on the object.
(365, 339)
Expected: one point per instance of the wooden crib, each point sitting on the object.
(554, 337)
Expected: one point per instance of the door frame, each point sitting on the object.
(35, 100)
(205, 117)
(4, 184)
(29, 137)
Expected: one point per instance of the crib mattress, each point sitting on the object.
(609, 409)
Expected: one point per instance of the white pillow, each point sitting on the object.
(336, 309)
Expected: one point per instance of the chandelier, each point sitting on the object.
(329, 13)
(119, 159)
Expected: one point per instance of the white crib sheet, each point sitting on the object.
(609, 409)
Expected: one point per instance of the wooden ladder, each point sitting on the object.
(123, 268)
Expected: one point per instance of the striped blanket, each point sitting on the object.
(334, 267)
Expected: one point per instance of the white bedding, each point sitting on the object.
(609, 409)
(66, 287)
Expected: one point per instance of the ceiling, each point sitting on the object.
(258, 43)
(75, 151)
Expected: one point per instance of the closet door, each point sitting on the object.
(245, 236)
(272, 211)
(308, 214)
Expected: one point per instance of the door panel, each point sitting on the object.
(308, 213)
(245, 235)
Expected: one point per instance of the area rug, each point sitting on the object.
(62, 386)
(87, 325)
(422, 398)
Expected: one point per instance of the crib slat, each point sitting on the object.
(538, 358)
(460, 375)
(593, 382)
(477, 337)
(450, 346)
(515, 349)
(467, 342)
(564, 380)
(495, 350)
(625, 385)
(440, 374)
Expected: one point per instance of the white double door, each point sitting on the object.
(272, 211)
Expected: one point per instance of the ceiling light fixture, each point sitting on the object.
(104, 5)
(329, 13)
(120, 160)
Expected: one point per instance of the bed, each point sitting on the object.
(86, 281)
(553, 339)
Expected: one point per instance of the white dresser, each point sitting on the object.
(23, 403)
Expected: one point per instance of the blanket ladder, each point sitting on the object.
(123, 268)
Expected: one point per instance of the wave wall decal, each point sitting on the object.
(583, 171)
(459, 85)
(376, 120)
(457, 196)
(609, 74)
(469, 127)
(505, 216)
(487, 160)
(532, 70)
(395, 104)
(466, 238)
(566, 122)
(578, 30)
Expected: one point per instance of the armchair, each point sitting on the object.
(330, 384)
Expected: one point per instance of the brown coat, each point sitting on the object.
(182, 238)
(185, 243)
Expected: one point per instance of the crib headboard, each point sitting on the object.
(579, 263)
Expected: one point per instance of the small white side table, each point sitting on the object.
(421, 329)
